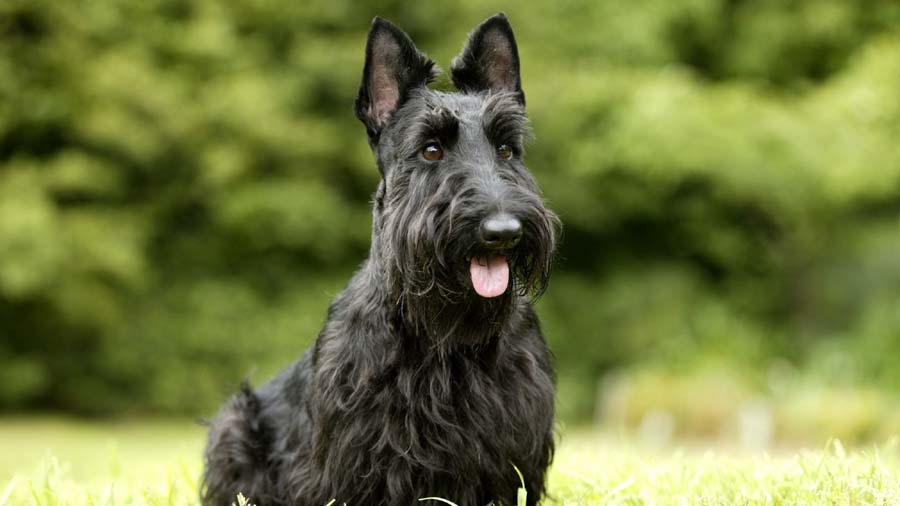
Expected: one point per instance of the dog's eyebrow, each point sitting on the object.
(434, 124)
(504, 120)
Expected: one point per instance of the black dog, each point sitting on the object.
(431, 377)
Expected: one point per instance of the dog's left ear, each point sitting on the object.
(490, 60)
(393, 68)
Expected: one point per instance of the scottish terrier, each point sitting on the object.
(431, 377)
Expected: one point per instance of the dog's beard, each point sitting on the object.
(432, 275)
(443, 305)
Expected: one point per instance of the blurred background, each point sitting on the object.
(184, 187)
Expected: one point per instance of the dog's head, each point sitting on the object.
(459, 220)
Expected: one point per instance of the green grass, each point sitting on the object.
(53, 462)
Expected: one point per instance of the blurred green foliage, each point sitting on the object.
(183, 187)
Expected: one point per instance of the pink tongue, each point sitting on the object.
(490, 275)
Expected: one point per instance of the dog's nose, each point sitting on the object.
(501, 230)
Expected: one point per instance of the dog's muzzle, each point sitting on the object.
(498, 233)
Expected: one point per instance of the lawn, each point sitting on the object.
(49, 462)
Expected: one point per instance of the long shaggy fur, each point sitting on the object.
(416, 386)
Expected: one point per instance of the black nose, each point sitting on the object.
(501, 230)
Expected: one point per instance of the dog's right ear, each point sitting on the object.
(490, 60)
(393, 68)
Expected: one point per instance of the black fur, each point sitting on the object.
(417, 386)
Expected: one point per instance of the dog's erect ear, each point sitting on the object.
(393, 67)
(490, 60)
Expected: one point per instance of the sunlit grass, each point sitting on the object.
(591, 474)
(158, 464)
(98, 450)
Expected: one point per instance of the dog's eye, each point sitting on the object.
(432, 152)
(505, 151)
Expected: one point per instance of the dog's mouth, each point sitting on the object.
(490, 274)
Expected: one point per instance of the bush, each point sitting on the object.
(183, 185)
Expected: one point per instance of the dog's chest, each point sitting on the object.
(432, 413)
